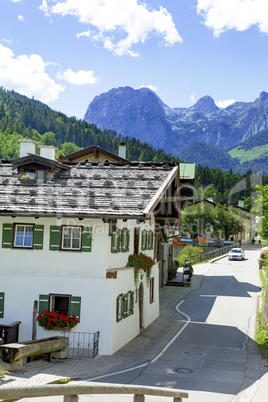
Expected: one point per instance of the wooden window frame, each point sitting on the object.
(52, 302)
(15, 225)
(62, 238)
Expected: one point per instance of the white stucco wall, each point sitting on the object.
(27, 273)
(129, 327)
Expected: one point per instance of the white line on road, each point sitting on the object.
(159, 354)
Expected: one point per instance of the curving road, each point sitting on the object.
(208, 356)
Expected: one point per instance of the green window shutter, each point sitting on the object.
(7, 235)
(75, 306)
(123, 239)
(38, 237)
(118, 308)
(119, 240)
(128, 239)
(132, 302)
(43, 303)
(143, 240)
(87, 239)
(151, 236)
(113, 241)
(125, 305)
(2, 304)
(148, 240)
(54, 242)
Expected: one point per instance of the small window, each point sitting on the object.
(151, 290)
(60, 303)
(71, 238)
(23, 236)
(41, 175)
(30, 173)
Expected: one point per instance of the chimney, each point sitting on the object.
(122, 150)
(47, 151)
(27, 147)
(215, 198)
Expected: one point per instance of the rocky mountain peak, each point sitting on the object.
(206, 105)
(263, 96)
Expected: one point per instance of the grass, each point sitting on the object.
(261, 335)
(251, 154)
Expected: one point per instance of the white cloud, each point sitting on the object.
(223, 104)
(20, 18)
(6, 40)
(221, 15)
(85, 33)
(130, 20)
(82, 77)
(16, 1)
(26, 75)
(151, 87)
(193, 98)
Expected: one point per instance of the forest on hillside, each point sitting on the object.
(21, 117)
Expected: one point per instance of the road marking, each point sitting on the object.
(175, 336)
(117, 372)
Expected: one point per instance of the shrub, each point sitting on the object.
(172, 272)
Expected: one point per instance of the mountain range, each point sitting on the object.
(181, 131)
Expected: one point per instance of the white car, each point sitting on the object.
(236, 254)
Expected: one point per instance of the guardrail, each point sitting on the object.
(212, 254)
(70, 391)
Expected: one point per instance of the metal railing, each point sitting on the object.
(82, 344)
(70, 391)
(211, 254)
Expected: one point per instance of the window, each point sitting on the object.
(60, 303)
(120, 240)
(124, 305)
(30, 173)
(41, 175)
(20, 235)
(64, 304)
(147, 240)
(23, 236)
(151, 290)
(71, 238)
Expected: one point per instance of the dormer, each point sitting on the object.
(37, 167)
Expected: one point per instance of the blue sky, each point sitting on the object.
(66, 52)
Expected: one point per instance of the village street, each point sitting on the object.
(208, 356)
(207, 350)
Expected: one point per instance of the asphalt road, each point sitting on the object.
(207, 357)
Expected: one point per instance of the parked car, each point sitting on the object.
(236, 254)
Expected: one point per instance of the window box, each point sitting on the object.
(59, 312)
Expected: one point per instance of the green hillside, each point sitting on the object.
(207, 155)
(21, 117)
(252, 153)
(249, 155)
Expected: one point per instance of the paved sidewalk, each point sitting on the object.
(140, 350)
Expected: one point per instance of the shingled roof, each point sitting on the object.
(87, 190)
